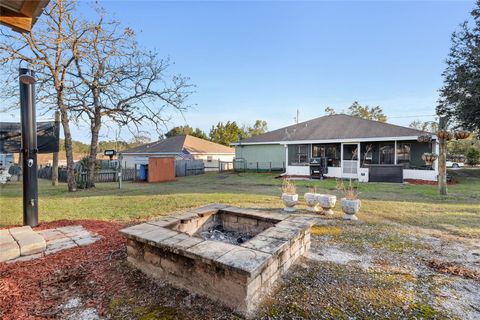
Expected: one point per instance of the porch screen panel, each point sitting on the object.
(387, 153)
(331, 151)
(298, 155)
(403, 154)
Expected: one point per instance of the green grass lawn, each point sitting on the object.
(416, 205)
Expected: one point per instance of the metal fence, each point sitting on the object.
(225, 166)
(189, 167)
(241, 165)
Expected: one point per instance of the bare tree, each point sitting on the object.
(45, 49)
(121, 83)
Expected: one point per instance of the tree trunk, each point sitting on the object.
(55, 157)
(95, 126)
(442, 159)
(71, 182)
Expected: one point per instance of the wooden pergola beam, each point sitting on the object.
(21, 15)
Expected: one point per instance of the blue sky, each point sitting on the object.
(265, 60)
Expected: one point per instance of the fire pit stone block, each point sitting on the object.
(237, 275)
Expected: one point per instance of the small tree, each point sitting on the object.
(258, 128)
(122, 83)
(367, 112)
(429, 126)
(364, 112)
(329, 111)
(184, 130)
(45, 49)
(226, 133)
(473, 156)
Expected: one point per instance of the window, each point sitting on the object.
(403, 153)
(298, 155)
(387, 153)
(209, 158)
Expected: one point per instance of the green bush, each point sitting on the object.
(473, 156)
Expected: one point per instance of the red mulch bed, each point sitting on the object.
(34, 289)
(433, 183)
(98, 275)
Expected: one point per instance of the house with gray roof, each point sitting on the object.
(346, 146)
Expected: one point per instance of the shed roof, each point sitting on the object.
(177, 144)
(334, 127)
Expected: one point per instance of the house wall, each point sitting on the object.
(264, 155)
(129, 161)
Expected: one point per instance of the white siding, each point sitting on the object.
(428, 175)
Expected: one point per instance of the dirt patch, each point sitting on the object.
(453, 268)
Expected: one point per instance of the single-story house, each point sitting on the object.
(182, 147)
(348, 147)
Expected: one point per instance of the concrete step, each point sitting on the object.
(28, 240)
(9, 248)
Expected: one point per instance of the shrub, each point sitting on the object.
(473, 156)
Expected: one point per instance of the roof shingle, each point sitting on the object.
(176, 144)
(339, 126)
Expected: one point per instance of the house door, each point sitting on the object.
(350, 161)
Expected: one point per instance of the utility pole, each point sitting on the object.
(29, 146)
(442, 158)
(55, 155)
(296, 118)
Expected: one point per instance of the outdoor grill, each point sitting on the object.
(318, 167)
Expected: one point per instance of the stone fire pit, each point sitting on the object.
(228, 254)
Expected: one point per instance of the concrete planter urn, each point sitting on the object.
(327, 202)
(312, 201)
(350, 207)
(290, 201)
(429, 158)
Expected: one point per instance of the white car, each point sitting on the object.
(454, 164)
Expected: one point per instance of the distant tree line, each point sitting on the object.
(222, 133)
(364, 112)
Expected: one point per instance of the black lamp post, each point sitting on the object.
(29, 146)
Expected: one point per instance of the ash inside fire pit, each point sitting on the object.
(219, 233)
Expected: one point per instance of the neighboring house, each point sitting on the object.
(181, 147)
(386, 150)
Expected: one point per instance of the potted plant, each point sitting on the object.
(350, 202)
(289, 195)
(424, 138)
(327, 202)
(444, 134)
(429, 157)
(311, 200)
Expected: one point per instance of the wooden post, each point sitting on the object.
(119, 174)
(442, 159)
(55, 155)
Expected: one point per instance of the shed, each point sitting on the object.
(161, 169)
